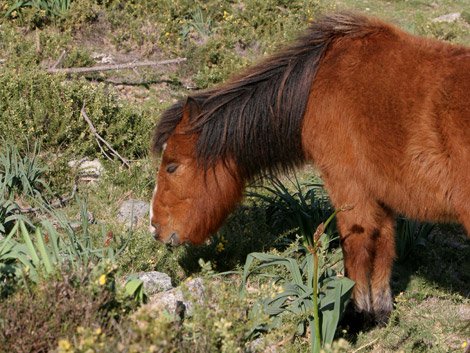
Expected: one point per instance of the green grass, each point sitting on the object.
(218, 38)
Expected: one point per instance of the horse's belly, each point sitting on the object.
(420, 201)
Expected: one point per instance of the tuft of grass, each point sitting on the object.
(21, 173)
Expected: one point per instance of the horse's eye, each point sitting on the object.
(171, 168)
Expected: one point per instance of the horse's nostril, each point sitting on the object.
(155, 229)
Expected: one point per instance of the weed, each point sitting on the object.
(410, 234)
(314, 297)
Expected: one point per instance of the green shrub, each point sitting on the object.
(308, 288)
(36, 106)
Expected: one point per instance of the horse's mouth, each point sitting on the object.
(172, 241)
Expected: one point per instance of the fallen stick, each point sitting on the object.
(60, 202)
(80, 70)
(100, 140)
(59, 61)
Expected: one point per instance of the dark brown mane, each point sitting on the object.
(256, 118)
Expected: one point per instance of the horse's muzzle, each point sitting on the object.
(173, 239)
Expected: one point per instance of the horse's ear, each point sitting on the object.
(191, 109)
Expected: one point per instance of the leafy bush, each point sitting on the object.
(310, 289)
(38, 13)
(35, 106)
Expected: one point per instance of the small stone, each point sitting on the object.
(75, 225)
(131, 211)
(173, 299)
(155, 282)
(450, 17)
(87, 170)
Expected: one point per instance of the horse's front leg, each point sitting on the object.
(384, 255)
(367, 240)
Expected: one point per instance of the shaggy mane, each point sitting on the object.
(256, 118)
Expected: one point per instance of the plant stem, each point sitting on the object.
(317, 343)
(316, 317)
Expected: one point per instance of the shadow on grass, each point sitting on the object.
(443, 261)
(246, 230)
(270, 218)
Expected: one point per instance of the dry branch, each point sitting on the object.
(100, 140)
(60, 202)
(59, 61)
(133, 65)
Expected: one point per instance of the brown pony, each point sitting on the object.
(384, 115)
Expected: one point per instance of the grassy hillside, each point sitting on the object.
(81, 303)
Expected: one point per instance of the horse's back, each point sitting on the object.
(390, 113)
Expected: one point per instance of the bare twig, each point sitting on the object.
(133, 65)
(365, 346)
(60, 202)
(100, 140)
(59, 61)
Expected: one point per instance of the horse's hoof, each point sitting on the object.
(357, 321)
(382, 317)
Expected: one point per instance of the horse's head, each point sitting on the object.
(190, 201)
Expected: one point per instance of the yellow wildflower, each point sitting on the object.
(220, 247)
(64, 345)
(464, 344)
(102, 280)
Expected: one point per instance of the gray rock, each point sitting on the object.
(87, 170)
(450, 17)
(77, 225)
(155, 282)
(259, 345)
(131, 211)
(174, 299)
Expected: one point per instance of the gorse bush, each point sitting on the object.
(36, 106)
